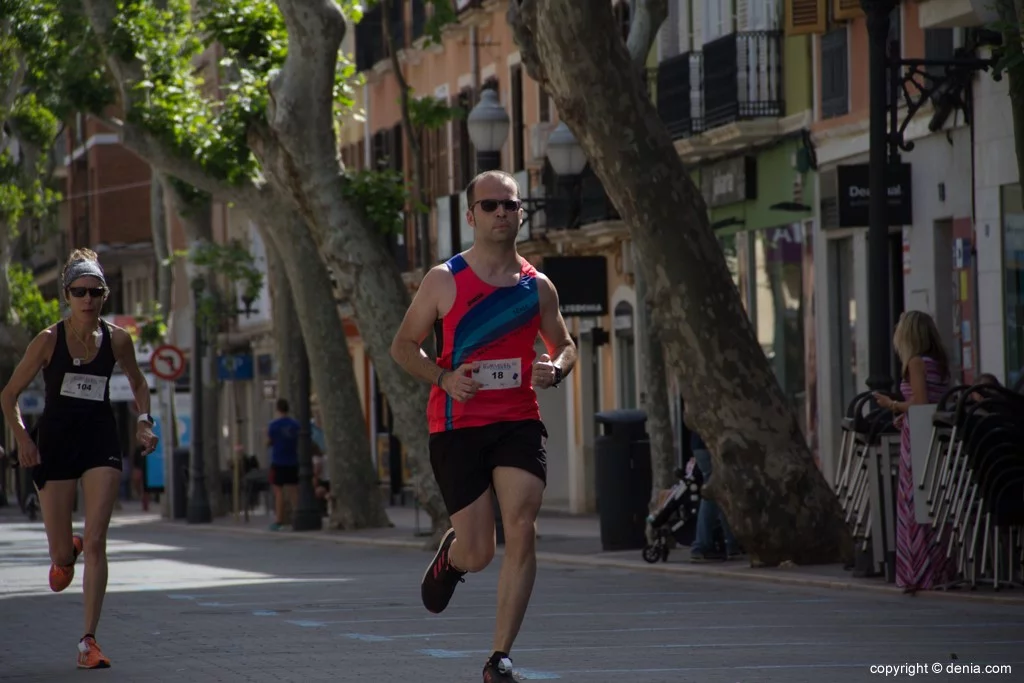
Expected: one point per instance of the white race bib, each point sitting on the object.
(499, 374)
(88, 387)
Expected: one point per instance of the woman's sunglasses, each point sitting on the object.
(94, 292)
(491, 205)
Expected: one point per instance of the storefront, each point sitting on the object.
(760, 207)
(931, 267)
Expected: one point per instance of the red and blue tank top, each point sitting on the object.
(496, 327)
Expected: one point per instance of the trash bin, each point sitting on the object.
(179, 497)
(622, 453)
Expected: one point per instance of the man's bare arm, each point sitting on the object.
(406, 348)
(552, 327)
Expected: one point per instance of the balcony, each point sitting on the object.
(726, 97)
(679, 93)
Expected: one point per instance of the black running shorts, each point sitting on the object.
(284, 475)
(67, 451)
(462, 459)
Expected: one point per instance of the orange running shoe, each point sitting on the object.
(90, 656)
(61, 577)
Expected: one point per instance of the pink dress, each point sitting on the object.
(919, 565)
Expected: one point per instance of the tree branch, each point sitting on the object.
(522, 18)
(648, 16)
(11, 92)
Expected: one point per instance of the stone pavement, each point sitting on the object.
(208, 603)
(576, 540)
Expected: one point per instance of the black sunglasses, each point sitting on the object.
(491, 205)
(94, 292)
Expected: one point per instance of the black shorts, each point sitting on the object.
(284, 475)
(68, 451)
(462, 459)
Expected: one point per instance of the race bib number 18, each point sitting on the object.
(499, 374)
(88, 387)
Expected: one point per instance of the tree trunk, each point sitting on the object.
(648, 16)
(197, 222)
(412, 138)
(1009, 16)
(356, 502)
(777, 502)
(298, 153)
(654, 393)
(158, 223)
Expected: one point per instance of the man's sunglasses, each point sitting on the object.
(94, 292)
(491, 205)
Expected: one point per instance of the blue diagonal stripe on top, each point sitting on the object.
(501, 312)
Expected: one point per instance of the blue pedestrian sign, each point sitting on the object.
(235, 366)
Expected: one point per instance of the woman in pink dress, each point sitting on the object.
(920, 563)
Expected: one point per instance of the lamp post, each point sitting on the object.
(198, 500)
(877, 13)
(488, 125)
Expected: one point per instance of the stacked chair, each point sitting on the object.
(972, 484)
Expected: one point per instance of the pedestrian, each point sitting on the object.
(921, 563)
(703, 548)
(489, 304)
(77, 438)
(283, 439)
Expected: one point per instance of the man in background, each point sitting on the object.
(283, 440)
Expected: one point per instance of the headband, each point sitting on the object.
(83, 268)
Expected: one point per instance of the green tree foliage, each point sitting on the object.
(33, 312)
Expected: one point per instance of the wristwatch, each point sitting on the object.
(558, 376)
(146, 417)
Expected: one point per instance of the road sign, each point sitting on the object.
(167, 362)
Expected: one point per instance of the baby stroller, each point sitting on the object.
(677, 517)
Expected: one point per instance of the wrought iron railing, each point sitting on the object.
(680, 98)
(742, 78)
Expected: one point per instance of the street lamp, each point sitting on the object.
(567, 160)
(198, 500)
(488, 125)
(565, 153)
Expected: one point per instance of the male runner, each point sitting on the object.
(487, 305)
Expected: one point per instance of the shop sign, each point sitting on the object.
(855, 196)
(582, 283)
(729, 181)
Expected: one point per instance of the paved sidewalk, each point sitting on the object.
(576, 540)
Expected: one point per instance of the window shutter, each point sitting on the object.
(805, 16)
(846, 9)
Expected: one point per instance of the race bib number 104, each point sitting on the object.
(88, 387)
(499, 374)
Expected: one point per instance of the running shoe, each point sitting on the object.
(90, 656)
(61, 577)
(441, 578)
(499, 672)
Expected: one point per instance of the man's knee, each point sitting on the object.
(520, 536)
(474, 555)
(95, 547)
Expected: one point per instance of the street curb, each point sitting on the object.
(613, 563)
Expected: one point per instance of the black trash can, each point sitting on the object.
(179, 497)
(622, 453)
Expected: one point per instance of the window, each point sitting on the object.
(369, 40)
(835, 68)
(778, 314)
(625, 358)
(1013, 280)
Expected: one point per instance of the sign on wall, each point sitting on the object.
(729, 181)
(855, 196)
(582, 283)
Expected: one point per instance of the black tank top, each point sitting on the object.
(78, 391)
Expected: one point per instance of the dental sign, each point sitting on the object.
(855, 195)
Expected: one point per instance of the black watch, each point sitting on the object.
(558, 376)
